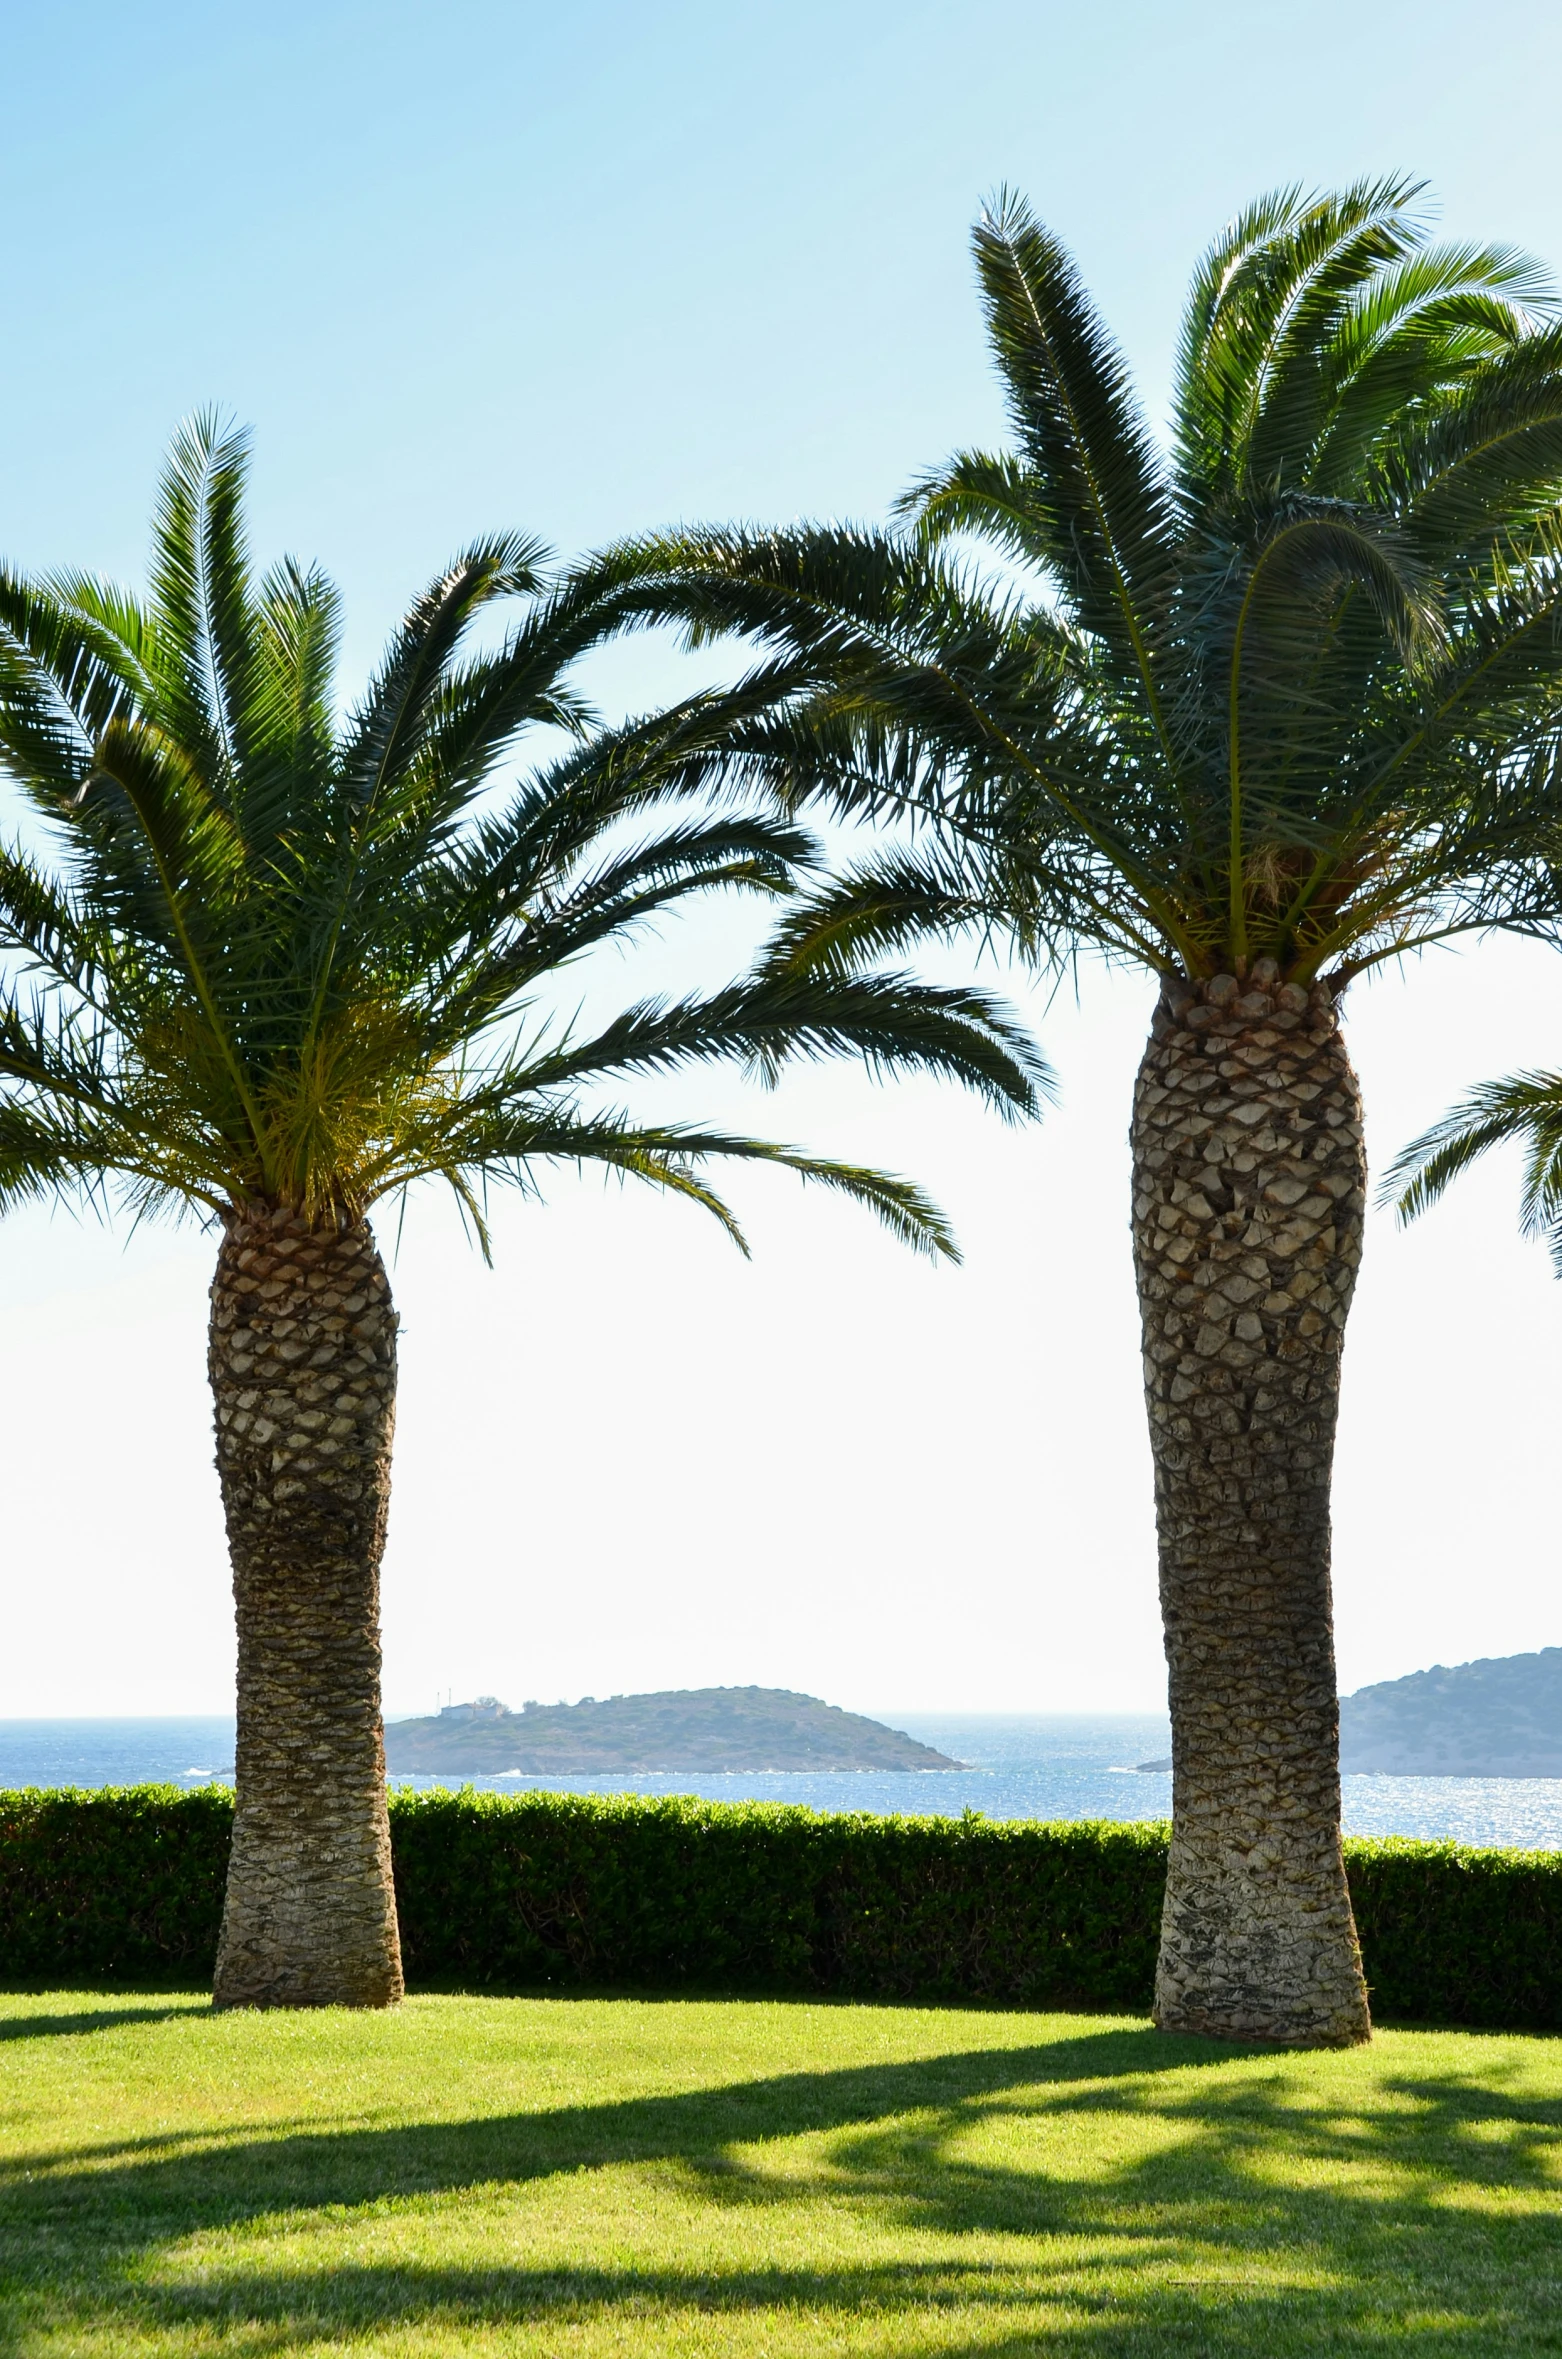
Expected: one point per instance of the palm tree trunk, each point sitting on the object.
(1249, 1192)
(303, 1370)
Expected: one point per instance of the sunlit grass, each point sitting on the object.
(592, 2176)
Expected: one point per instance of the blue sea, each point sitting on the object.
(1019, 1766)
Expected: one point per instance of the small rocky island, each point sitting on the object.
(744, 1729)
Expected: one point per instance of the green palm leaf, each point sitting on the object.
(1525, 1109)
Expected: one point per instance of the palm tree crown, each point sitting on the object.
(1289, 692)
(286, 960)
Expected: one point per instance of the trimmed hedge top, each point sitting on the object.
(516, 1891)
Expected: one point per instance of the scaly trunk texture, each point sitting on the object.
(1249, 1192)
(303, 1370)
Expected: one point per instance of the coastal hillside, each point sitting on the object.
(742, 1729)
(1501, 1717)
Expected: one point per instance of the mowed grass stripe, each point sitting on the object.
(592, 2176)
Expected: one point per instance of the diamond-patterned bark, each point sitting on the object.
(303, 1370)
(1249, 1195)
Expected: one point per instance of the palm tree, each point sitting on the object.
(272, 967)
(1253, 716)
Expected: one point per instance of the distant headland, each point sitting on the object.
(1499, 1717)
(747, 1730)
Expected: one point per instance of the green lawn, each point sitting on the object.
(568, 2176)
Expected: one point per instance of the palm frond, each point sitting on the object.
(1526, 1107)
(885, 907)
(1282, 272)
(387, 733)
(893, 1023)
(1432, 319)
(481, 948)
(201, 642)
(291, 725)
(989, 493)
(1099, 494)
(64, 678)
(1486, 461)
(673, 1156)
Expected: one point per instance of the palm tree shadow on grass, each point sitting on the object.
(1236, 2191)
(76, 2026)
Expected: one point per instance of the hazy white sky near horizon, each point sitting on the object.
(589, 269)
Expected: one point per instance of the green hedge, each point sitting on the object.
(507, 1892)
(121, 1880)
(764, 1896)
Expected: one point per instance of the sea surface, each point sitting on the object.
(1018, 1766)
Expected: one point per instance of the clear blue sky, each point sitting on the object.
(589, 268)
